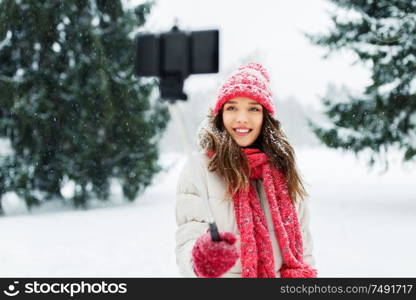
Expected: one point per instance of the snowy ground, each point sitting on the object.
(362, 223)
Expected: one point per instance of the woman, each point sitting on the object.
(254, 189)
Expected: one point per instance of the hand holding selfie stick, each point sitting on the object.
(172, 56)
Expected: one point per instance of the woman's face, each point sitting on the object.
(243, 113)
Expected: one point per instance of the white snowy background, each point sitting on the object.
(362, 220)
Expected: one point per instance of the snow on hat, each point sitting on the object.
(251, 81)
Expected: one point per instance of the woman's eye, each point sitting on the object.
(232, 107)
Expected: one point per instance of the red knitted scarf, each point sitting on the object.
(256, 247)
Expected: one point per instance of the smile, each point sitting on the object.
(242, 133)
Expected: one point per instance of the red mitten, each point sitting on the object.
(213, 259)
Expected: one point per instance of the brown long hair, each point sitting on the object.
(231, 164)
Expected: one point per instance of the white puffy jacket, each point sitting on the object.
(192, 216)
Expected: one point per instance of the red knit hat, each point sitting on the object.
(251, 81)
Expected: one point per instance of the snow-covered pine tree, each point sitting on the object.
(70, 103)
(383, 35)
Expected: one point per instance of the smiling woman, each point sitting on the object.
(254, 190)
(243, 120)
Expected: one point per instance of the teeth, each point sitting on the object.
(242, 130)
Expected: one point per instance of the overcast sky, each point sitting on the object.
(272, 30)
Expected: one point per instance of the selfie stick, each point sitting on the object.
(178, 119)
